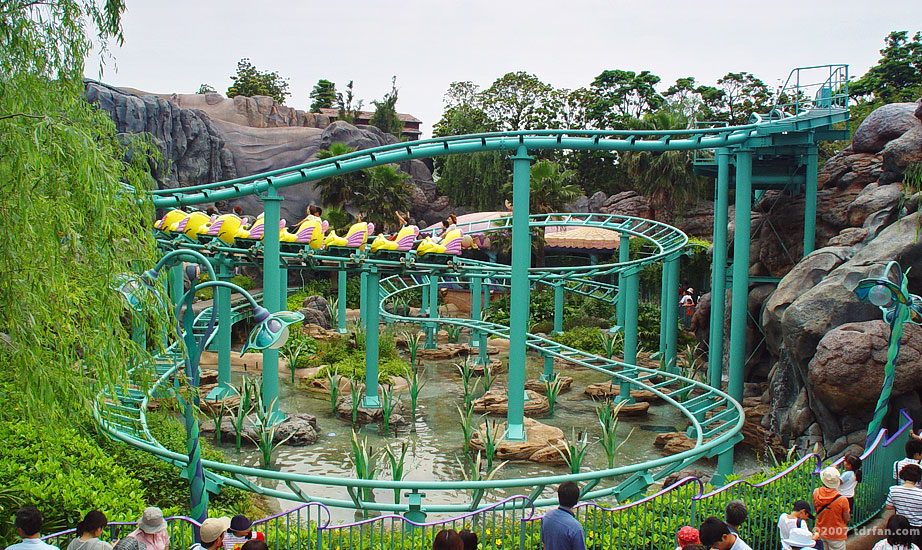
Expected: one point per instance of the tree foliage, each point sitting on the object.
(78, 216)
(323, 95)
(520, 101)
(619, 95)
(206, 89)
(386, 189)
(336, 190)
(898, 73)
(477, 179)
(385, 115)
(250, 81)
(349, 107)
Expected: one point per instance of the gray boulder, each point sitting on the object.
(316, 311)
(296, 430)
(596, 201)
(872, 198)
(902, 152)
(883, 125)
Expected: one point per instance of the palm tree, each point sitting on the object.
(384, 190)
(667, 178)
(550, 191)
(337, 190)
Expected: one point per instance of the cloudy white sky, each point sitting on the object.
(175, 45)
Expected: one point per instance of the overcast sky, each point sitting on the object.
(175, 45)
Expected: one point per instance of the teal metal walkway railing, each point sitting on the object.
(648, 523)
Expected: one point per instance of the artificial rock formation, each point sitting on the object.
(497, 402)
(541, 444)
(297, 429)
(316, 311)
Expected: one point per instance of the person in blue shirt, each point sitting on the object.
(28, 525)
(559, 528)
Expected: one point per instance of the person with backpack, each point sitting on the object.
(797, 519)
(832, 511)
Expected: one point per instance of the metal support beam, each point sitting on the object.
(810, 186)
(341, 302)
(372, 300)
(719, 270)
(176, 285)
(671, 314)
(424, 306)
(631, 289)
(519, 297)
(432, 335)
(558, 308)
(548, 373)
(476, 314)
(739, 311)
(624, 254)
(272, 298)
(222, 301)
(363, 293)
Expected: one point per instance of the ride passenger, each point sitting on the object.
(448, 224)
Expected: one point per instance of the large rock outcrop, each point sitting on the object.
(207, 138)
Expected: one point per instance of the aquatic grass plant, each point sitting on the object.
(467, 426)
(244, 408)
(266, 426)
(607, 414)
(355, 388)
(468, 385)
(365, 462)
(387, 405)
(297, 345)
(333, 309)
(551, 391)
(397, 463)
(333, 379)
(575, 450)
(413, 340)
(489, 376)
(611, 343)
(473, 470)
(491, 435)
(416, 384)
(216, 409)
(453, 332)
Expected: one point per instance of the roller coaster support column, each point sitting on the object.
(739, 309)
(719, 270)
(432, 336)
(222, 301)
(671, 313)
(272, 298)
(478, 338)
(624, 254)
(810, 201)
(424, 305)
(176, 284)
(558, 308)
(631, 290)
(519, 296)
(341, 302)
(363, 295)
(372, 299)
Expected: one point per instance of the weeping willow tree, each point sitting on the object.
(75, 214)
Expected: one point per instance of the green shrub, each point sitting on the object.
(582, 338)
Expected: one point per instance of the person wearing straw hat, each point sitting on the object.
(151, 531)
(799, 537)
(212, 533)
(832, 511)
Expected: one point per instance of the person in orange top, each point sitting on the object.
(832, 511)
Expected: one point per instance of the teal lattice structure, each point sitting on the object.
(715, 417)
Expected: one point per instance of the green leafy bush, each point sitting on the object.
(582, 338)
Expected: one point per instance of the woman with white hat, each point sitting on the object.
(151, 530)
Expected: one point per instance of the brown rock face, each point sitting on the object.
(848, 168)
(497, 402)
(627, 203)
(883, 125)
(540, 445)
(536, 385)
(847, 372)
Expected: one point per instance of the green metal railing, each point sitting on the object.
(647, 523)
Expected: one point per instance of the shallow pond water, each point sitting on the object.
(436, 447)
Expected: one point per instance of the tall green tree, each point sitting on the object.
(520, 101)
(898, 73)
(743, 95)
(475, 180)
(385, 190)
(336, 190)
(620, 95)
(665, 178)
(385, 115)
(250, 81)
(323, 95)
(78, 215)
(349, 107)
